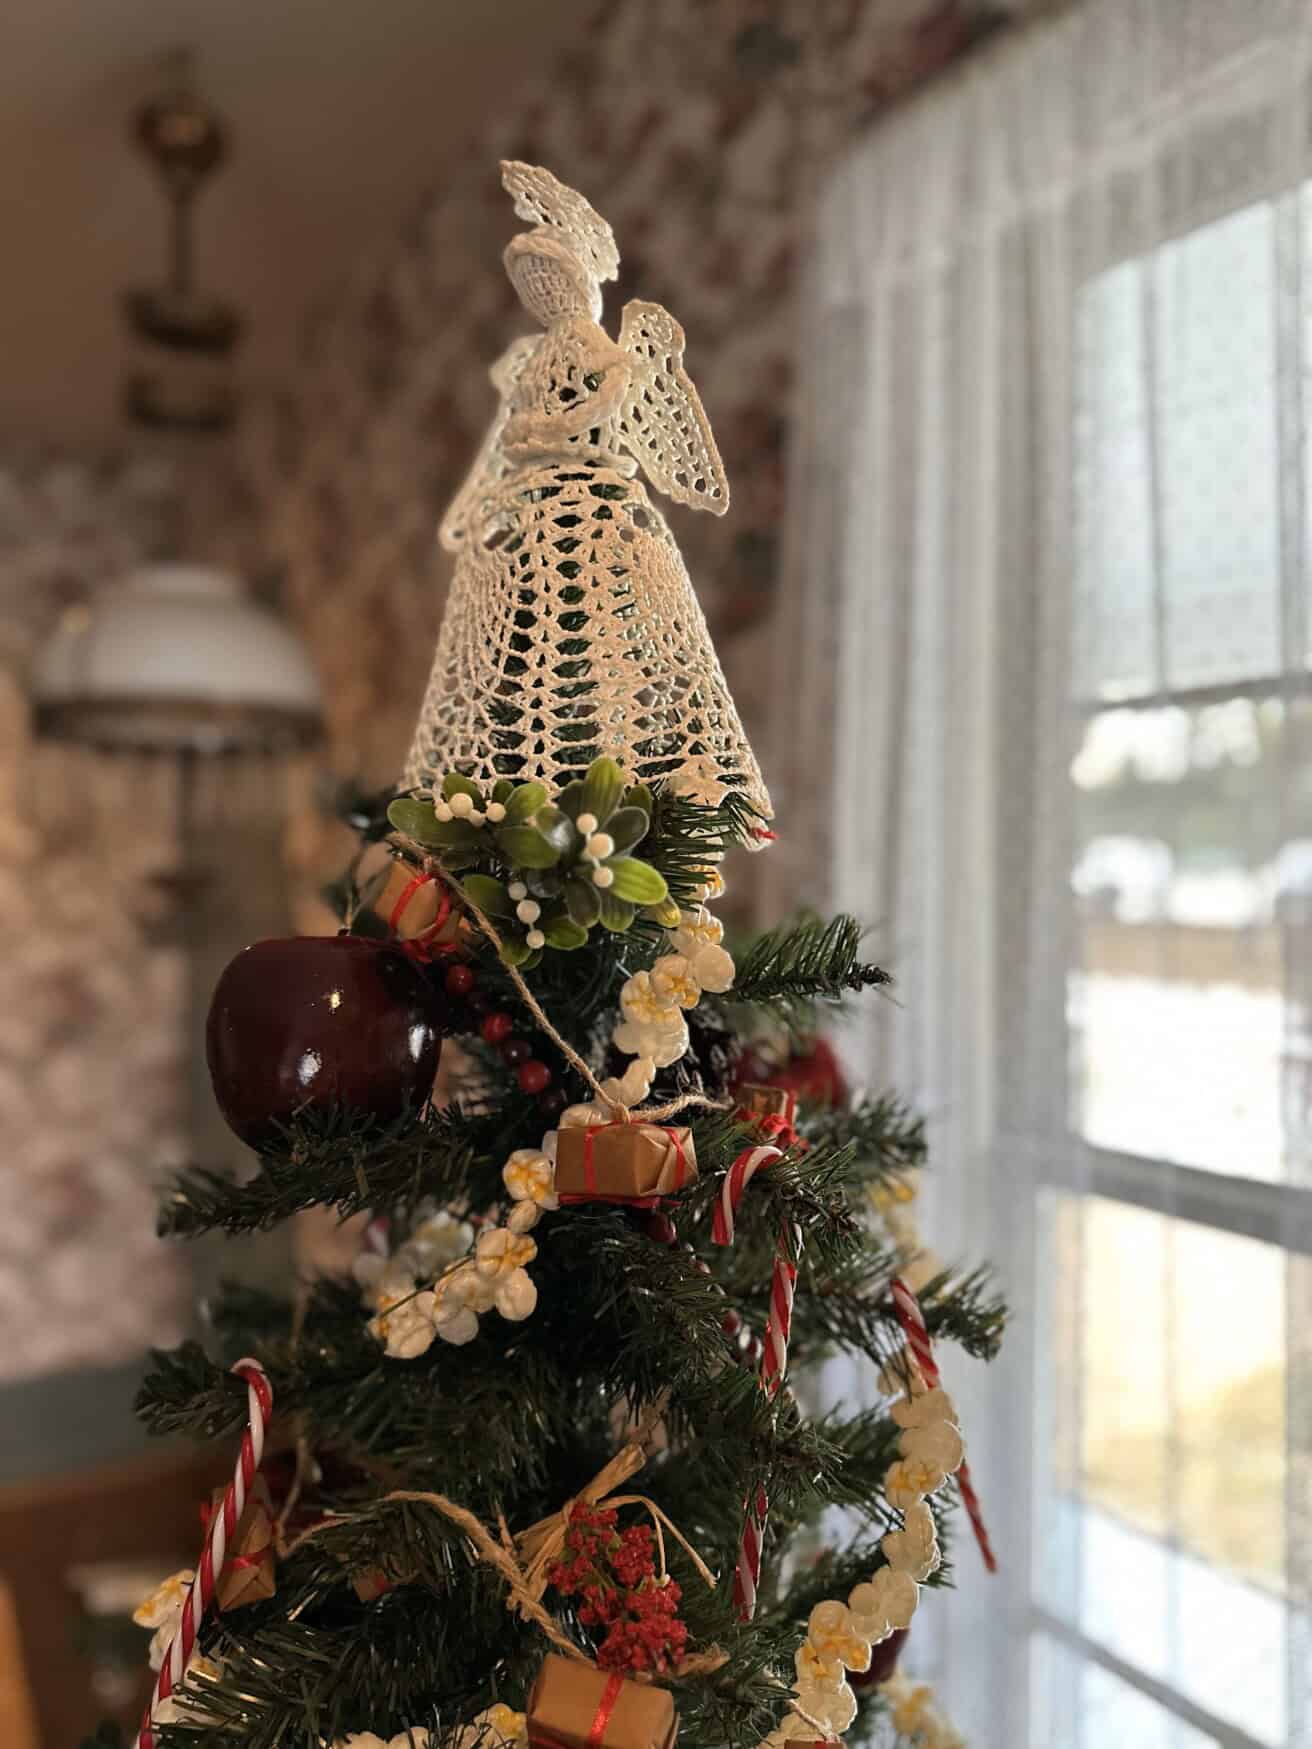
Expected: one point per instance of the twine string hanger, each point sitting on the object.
(620, 1113)
(523, 1561)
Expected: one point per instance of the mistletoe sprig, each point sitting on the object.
(545, 871)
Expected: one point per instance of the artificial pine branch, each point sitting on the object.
(348, 1162)
(885, 1135)
(850, 1308)
(790, 969)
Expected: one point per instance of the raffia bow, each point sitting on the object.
(523, 1561)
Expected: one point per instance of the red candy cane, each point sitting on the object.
(912, 1320)
(774, 1361)
(222, 1525)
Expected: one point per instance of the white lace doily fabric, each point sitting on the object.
(572, 629)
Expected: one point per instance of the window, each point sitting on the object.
(1173, 1463)
(1053, 524)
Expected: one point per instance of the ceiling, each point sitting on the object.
(340, 113)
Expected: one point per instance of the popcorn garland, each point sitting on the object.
(840, 1636)
(471, 1276)
(490, 1274)
(915, 1716)
(652, 1004)
(496, 1727)
(892, 1201)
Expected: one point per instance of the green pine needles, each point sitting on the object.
(514, 1422)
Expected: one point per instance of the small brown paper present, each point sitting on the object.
(247, 1574)
(623, 1160)
(575, 1706)
(409, 903)
(759, 1101)
(372, 1582)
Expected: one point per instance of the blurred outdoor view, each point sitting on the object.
(1188, 983)
(1193, 869)
(1192, 886)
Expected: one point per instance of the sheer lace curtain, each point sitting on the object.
(1043, 719)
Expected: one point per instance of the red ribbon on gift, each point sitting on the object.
(778, 1127)
(569, 1198)
(605, 1707)
(593, 1194)
(541, 1739)
(236, 1562)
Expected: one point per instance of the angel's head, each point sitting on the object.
(558, 268)
(552, 283)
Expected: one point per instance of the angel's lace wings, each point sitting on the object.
(491, 463)
(661, 422)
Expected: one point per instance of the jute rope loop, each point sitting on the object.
(620, 1113)
(524, 1561)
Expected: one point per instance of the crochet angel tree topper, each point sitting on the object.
(534, 1470)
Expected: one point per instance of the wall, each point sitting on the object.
(90, 997)
(699, 132)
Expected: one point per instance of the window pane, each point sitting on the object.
(1078, 1705)
(1177, 533)
(1116, 643)
(1214, 316)
(1165, 1534)
(1194, 899)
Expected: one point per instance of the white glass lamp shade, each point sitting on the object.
(176, 658)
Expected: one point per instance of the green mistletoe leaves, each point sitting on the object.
(546, 873)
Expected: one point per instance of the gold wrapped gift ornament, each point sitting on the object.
(410, 903)
(623, 1162)
(576, 1706)
(759, 1102)
(248, 1566)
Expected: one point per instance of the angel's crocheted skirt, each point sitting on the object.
(572, 631)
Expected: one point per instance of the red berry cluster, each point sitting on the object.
(614, 1573)
(497, 1028)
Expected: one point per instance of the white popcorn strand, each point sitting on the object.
(915, 1715)
(652, 1004)
(893, 1204)
(840, 1636)
(416, 1738)
(473, 1277)
(470, 1278)
(496, 1727)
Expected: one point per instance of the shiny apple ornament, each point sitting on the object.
(318, 1023)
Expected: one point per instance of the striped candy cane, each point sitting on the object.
(774, 1361)
(222, 1525)
(912, 1320)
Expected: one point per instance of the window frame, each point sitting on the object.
(1276, 1213)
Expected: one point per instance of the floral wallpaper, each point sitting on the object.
(90, 993)
(699, 130)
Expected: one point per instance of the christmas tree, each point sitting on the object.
(535, 1470)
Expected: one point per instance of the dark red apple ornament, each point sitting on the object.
(320, 1022)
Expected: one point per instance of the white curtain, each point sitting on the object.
(1043, 719)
